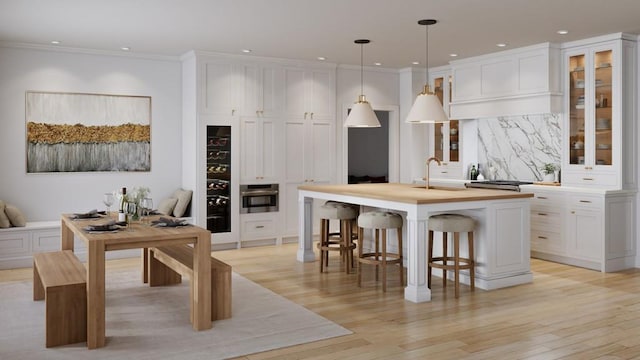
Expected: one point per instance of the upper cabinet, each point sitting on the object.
(219, 86)
(514, 82)
(310, 93)
(599, 150)
(445, 142)
(263, 90)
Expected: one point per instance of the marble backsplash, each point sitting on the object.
(517, 147)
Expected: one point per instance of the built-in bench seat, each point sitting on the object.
(167, 265)
(60, 279)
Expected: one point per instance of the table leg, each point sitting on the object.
(95, 295)
(202, 283)
(305, 230)
(66, 237)
(145, 265)
(417, 289)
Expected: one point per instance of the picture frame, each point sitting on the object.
(85, 132)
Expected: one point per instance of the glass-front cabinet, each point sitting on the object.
(591, 108)
(599, 88)
(446, 138)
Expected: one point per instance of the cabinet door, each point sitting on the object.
(258, 150)
(585, 228)
(262, 90)
(295, 88)
(321, 94)
(220, 88)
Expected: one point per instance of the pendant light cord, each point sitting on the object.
(427, 52)
(361, 69)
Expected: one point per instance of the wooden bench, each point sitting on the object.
(167, 265)
(60, 279)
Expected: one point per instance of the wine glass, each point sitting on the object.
(146, 205)
(131, 209)
(108, 200)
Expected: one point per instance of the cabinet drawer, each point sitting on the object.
(15, 243)
(545, 201)
(547, 241)
(582, 201)
(257, 228)
(587, 179)
(546, 220)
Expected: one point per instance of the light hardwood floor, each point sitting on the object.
(566, 313)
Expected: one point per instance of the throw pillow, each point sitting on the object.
(166, 206)
(16, 217)
(184, 198)
(4, 220)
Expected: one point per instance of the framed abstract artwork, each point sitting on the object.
(74, 132)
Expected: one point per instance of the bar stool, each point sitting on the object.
(338, 241)
(456, 224)
(380, 221)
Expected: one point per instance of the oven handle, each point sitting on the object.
(258, 192)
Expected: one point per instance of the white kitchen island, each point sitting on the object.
(501, 238)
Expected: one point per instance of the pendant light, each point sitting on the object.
(361, 114)
(427, 107)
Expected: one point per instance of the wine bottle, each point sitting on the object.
(473, 174)
(479, 177)
(122, 214)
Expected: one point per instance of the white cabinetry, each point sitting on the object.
(218, 82)
(310, 93)
(446, 139)
(591, 229)
(260, 150)
(309, 136)
(598, 148)
(263, 90)
(514, 82)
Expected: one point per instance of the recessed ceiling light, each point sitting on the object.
(125, 48)
(377, 64)
(453, 55)
(322, 58)
(501, 45)
(563, 32)
(246, 51)
(55, 42)
(416, 63)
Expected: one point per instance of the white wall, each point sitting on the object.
(44, 196)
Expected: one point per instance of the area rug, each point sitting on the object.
(153, 323)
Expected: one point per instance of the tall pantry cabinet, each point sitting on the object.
(282, 119)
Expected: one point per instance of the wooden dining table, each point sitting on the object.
(140, 236)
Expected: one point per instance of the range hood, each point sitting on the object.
(523, 81)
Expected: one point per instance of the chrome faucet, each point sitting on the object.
(429, 160)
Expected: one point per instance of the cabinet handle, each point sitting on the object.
(542, 237)
(585, 201)
(261, 112)
(588, 168)
(259, 226)
(444, 164)
(257, 112)
(573, 212)
(311, 116)
(305, 115)
(233, 111)
(444, 172)
(587, 179)
(542, 197)
(542, 214)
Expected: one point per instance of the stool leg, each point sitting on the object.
(445, 251)
(360, 241)
(323, 237)
(400, 256)
(429, 258)
(472, 271)
(346, 244)
(384, 260)
(377, 249)
(456, 263)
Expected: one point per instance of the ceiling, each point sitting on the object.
(307, 29)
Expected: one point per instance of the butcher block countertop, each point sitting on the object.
(414, 193)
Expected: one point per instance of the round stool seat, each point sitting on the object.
(380, 220)
(451, 223)
(336, 210)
